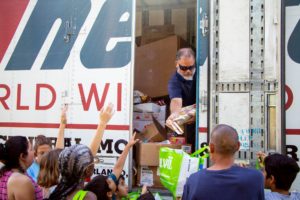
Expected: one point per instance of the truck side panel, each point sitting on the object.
(292, 55)
(68, 52)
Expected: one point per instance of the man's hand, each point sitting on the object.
(172, 124)
(106, 114)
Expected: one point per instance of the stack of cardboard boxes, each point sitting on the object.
(155, 61)
(142, 115)
(154, 65)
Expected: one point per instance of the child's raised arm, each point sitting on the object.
(104, 117)
(62, 125)
(118, 168)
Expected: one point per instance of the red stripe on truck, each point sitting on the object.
(53, 125)
(11, 14)
(202, 130)
(292, 131)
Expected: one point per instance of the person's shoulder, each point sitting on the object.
(18, 179)
(278, 196)
(295, 195)
(197, 175)
(90, 196)
(248, 170)
(250, 174)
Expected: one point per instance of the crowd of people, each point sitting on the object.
(61, 173)
(40, 172)
(226, 180)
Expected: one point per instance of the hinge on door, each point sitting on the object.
(70, 28)
(204, 24)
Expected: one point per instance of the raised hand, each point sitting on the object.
(106, 113)
(132, 140)
(63, 115)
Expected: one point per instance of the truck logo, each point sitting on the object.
(59, 23)
(293, 47)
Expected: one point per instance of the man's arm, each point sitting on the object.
(175, 94)
(104, 117)
(118, 168)
(61, 131)
(176, 105)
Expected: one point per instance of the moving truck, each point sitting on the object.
(86, 53)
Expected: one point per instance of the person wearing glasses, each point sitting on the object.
(182, 88)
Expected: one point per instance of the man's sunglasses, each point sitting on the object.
(185, 68)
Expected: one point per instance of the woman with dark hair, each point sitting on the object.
(17, 156)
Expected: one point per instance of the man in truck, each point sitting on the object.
(182, 89)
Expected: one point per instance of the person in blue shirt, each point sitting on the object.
(182, 88)
(280, 171)
(43, 145)
(224, 180)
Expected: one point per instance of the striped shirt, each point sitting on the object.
(3, 187)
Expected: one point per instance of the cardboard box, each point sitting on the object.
(156, 32)
(155, 64)
(187, 148)
(149, 176)
(160, 115)
(148, 153)
(151, 134)
(141, 125)
(147, 107)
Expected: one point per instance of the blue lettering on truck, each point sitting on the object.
(293, 46)
(113, 24)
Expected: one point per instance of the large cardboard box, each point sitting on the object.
(142, 119)
(156, 32)
(151, 134)
(155, 64)
(149, 176)
(148, 153)
(159, 114)
(141, 125)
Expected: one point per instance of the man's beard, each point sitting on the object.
(189, 77)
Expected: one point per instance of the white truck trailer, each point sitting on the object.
(82, 53)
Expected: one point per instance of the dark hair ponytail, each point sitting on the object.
(10, 153)
(3, 153)
(73, 163)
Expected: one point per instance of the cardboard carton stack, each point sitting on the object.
(142, 115)
(147, 158)
(155, 64)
